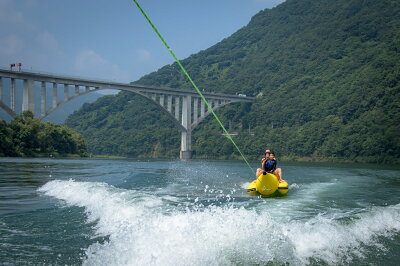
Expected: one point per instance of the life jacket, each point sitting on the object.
(269, 166)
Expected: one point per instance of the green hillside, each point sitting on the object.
(326, 72)
(26, 136)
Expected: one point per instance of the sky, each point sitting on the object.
(111, 40)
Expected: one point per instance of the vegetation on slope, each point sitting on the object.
(327, 73)
(26, 136)
(126, 125)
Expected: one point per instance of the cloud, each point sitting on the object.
(88, 63)
(47, 42)
(143, 55)
(30, 3)
(89, 59)
(23, 39)
(8, 14)
(10, 45)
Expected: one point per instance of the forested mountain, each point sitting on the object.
(59, 115)
(326, 73)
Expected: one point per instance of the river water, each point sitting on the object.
(129, 212)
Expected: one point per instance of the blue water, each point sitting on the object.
(128, 212)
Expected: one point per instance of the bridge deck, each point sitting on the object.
(52, 78)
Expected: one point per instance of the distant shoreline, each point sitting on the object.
(284, 159)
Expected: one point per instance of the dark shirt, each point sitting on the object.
(269, 166)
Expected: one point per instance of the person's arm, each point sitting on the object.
(264, 161)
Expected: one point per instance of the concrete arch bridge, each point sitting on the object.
(185, 108)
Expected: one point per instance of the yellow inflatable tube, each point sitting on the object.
(267, 184)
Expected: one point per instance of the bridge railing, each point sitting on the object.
(55, 74)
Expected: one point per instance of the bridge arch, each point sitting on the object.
(185, 108)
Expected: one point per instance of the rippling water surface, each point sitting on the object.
(127, 212)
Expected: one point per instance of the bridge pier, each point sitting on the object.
(1, 89)
(177, 102)
(13, 94)
(186, 138)
(28, 99)
(185, 155)
(43, 97)
(66, 91)
(55, 95)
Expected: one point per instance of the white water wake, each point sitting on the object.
(141, 232)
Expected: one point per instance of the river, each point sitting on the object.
(138, 212)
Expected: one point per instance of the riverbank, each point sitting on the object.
(234, 157)
(291, 158)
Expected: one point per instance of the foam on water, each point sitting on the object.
(142, 233)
